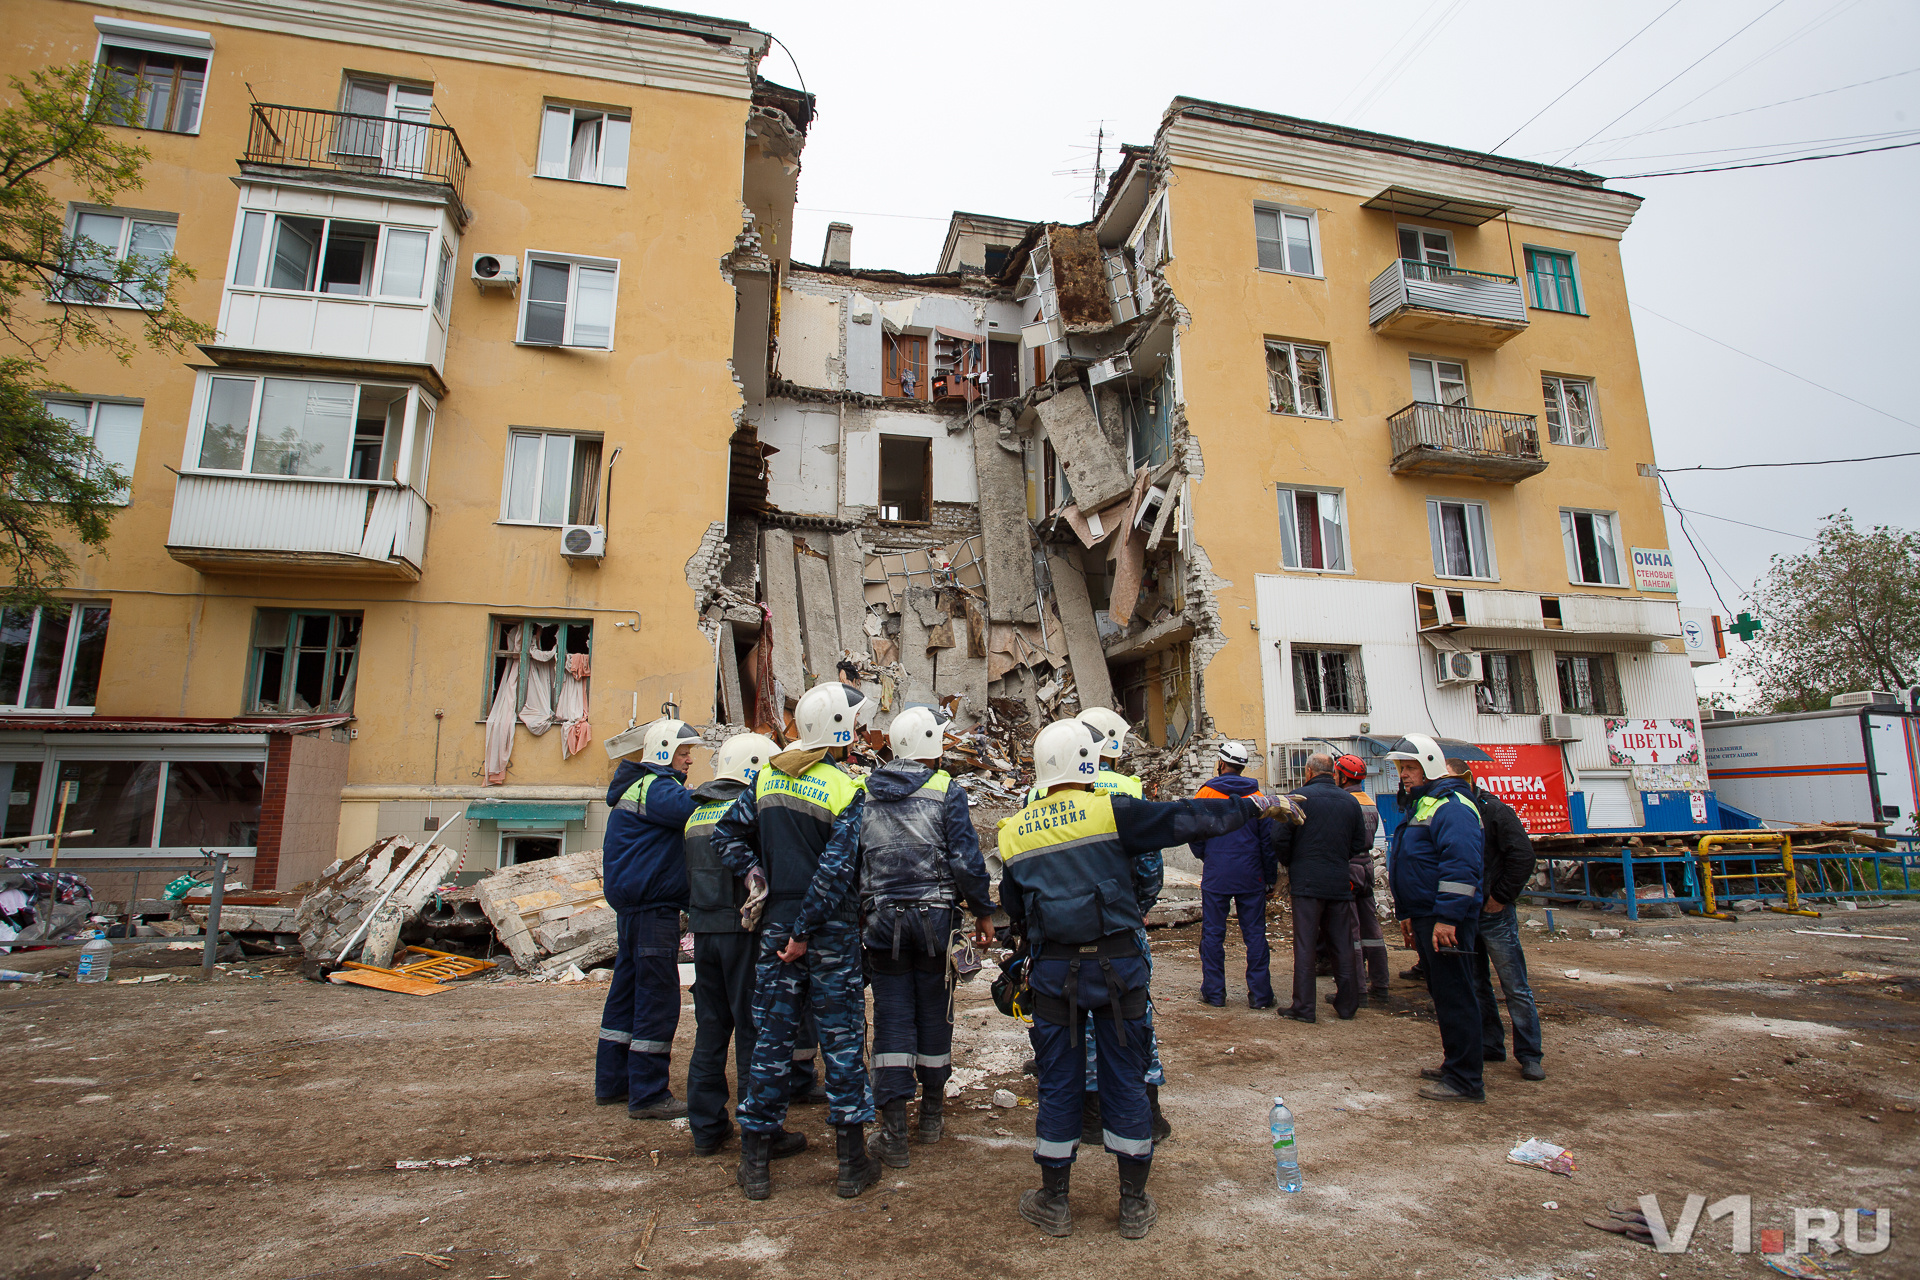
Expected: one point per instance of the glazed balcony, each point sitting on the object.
(1446, 304)
(1459, 440)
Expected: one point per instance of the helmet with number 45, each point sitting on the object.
(1066, 751)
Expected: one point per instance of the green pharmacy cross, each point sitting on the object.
(1746, 626)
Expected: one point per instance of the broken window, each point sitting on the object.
(997, 255)
(1507, 685)
(904, 369)
(1297, 380)
(569, 302)
(1288, 240)
(1592, 540)
(552, 478)
(1570, 416)
(332, 256)
(1120, 289)
(1151, 431)
(1461, 547)
(584, 145)
(166, 87)
(1589, 684)
(1555, 286)
(50, 657)
(906, 479)
(1439, 381)
(538, 656)
(1312, 530)
(303, 662)
(298, 427)
(1429, 248)
(1328, 681)
(531, 846)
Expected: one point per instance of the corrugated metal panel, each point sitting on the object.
(245, 513)
(1616, 615)
(1437, 289)
(1520, 609)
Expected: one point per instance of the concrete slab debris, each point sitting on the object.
(782, 586)
(1082, 632)
(403, 873)
(1004, 533)
(514, 898)
(819, 619)
(1095, 474)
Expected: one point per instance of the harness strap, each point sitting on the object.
(1115, 990)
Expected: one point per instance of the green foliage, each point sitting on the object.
(58, 292)
(1840, 616)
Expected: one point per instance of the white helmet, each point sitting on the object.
(741, 756)
(1418, 746)
(1066, 751)
(918, 733)
(1112, 725)
(830, 714)
(1235, 753)
(654, 743)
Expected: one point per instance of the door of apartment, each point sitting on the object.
(388, 124)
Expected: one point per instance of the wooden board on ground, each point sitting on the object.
(386, 981)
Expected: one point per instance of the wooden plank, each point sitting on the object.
(389, 982)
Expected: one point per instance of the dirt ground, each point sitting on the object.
(251, 1128)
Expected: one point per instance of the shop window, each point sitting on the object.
(50, 657)
(147, 804)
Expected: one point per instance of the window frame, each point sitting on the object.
(1534, 296)
(125, 296)
(1420, 233)
(404, 449)
(289, 661)
(93, 404)
(549, 108)
(262, 281)
(1355, 676)
(1436, 535)
(1559, 405)
(1570, 544)
(1608, 686)
(542, 435)
(529, 623)
(509, 835)
(574, 263)
(149, 40)
(1283, 212)
(1433, 363)
(1273, 347)
(1287, 496)
(1485, 697)
(63, 689)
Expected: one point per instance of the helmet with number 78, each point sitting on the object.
(830, 714)
(1112, 726)
(1066, 751)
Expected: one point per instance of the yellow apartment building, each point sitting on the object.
(432, 509)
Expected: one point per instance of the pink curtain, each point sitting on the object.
(572, 711)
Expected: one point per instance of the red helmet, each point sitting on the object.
(1349, 769)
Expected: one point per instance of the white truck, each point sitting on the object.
(1855, 762)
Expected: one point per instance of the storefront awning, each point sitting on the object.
(526, 814)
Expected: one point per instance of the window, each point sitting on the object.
(166, 87)
(904, 368)
(1592, 540)
(1589, 684)
(569, 302)
(1461, 547)
(552, 478)
(1507, 687)
(1570, 415)
(1328, 680)
(906, 479)
(165, 803)
(332, 256)
(1297, 380)
(20, 780)
(386, 128)
(1288, 240)
(1419, 244)
(297, 427)
(531, 846)
(303, 662)
(50, 657)
(1150, 435)
(997, 255)
(1439, 381)
(541, 655)
(1312, 531)
(1120, 288)
(1555, 286)
(443, 289)
(100, 241)
(112, 425)
(584, 145)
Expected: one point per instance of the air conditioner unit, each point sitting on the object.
(583, 541)
(495, 268)
(1865, 698)
(1456, 668)
(1558, 729)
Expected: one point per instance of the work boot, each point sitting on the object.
(753, 1177)
(1138, 1212)
(1530, 1069)
(858, 1170)
(1090, 1125)
(610, 1100)
(667, 1108)
(889, 1145)
(1161, 1129)
(1047, 1208)
(933, 1117)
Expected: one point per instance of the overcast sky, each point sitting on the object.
(924, 109)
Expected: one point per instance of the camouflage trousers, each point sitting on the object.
(828, 981)
(1155, 1076)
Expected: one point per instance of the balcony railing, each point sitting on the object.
(1459, 440)
(371, 146)
(1421, 298)
(263, 524)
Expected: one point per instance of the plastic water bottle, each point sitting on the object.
(1286, 1156)
(95, 959)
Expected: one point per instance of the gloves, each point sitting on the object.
(756, 899)
(1278, 806)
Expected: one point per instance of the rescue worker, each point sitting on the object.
(723, 954)
(1369, 941)
(919, 859)
(1319, 857)
(795, 837)
(1236, 872)
(1435, 874)
(1082, 870)
(644, 871)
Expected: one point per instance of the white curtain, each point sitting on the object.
(537, 711)
(501, 715)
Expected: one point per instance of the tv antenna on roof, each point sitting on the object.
(1099, 170)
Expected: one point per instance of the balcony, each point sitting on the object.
(297, 526)
(1458, 440)
(371, 147)
(1446, 304)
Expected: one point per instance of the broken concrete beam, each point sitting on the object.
(1004, 531)
(395, 874)
(1095, 474)
(918, 686)
(732, 700)
(514, 898)
(1082, 632)
(819, 621)
(576, 930)
(955, 672)
(586, 955)
(781, 585)
(847, 561)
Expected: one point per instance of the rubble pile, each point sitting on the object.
(383, 887)
(552, 913)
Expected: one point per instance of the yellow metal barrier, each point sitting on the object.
(1711, 844)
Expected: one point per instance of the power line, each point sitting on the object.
(1708, 515)
(1688, 535)
(1761, 164)
(1820, 462)
(1420, 46)
(1690, 66)
(1359, 84)
(1767, 150)
(1583, 79)
(1765, 106)
(1641, 306)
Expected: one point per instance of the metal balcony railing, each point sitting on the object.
(306, 138)
(1463, 430)
(1431, 287)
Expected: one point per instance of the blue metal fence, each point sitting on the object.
(1825, 875)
